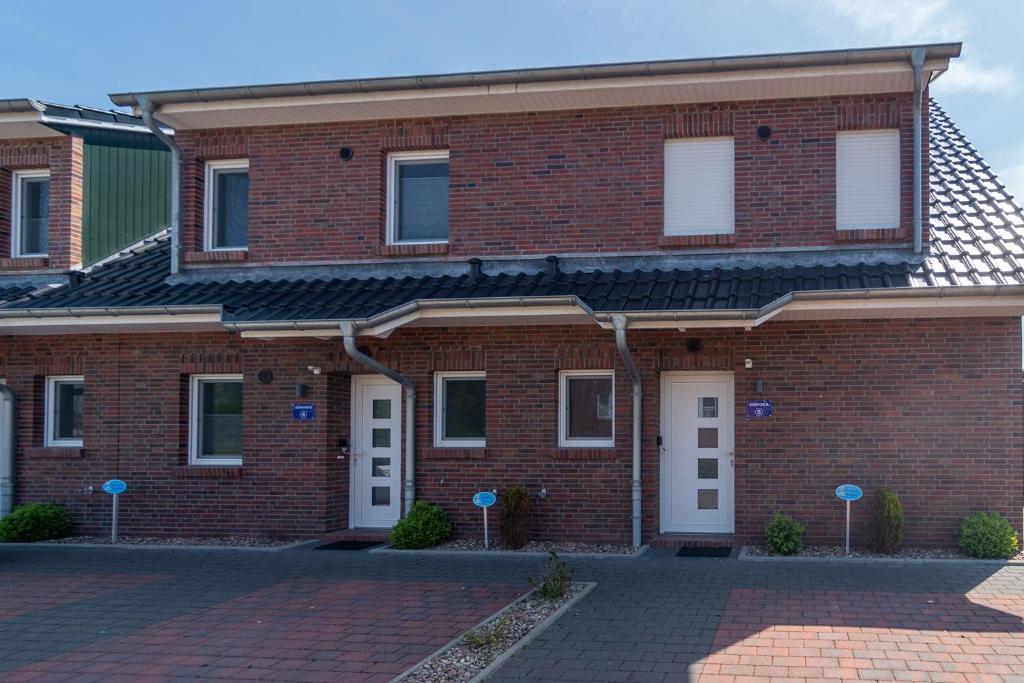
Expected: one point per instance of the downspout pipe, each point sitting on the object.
(8, 430)
(619, 321)
(917, 56)
(348, 335)
(146, 110)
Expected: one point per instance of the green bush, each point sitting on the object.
(887, 536)
(426, 525)
(555, 578)
(35, 522)
(783, 535)
(987, 535)
(514, 520)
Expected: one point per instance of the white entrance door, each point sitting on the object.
(376, 452)
(697, 452)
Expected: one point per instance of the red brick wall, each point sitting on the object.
(64, 156)
(930, 408)
(541, 183)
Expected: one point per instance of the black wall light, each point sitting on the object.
(346, 154)
(694, 345)
(265, 376)
(764, 132)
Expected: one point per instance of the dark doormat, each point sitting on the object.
(349, 545)
(704, 552)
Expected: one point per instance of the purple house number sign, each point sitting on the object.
(756, 409)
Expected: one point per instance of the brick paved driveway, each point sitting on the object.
(107, 615)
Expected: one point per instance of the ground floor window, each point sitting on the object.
(586, 408)
(460, 415)
(215, 425)
(64, 395)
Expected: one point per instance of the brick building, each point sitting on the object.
(583, 280)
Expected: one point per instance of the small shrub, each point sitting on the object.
(489, 634)
(783, 535)
(987, 535)
(888, 525)
(514, 521)
(426, 525)
(35, 522)
(555, 578)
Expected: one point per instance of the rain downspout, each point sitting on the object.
(917, 61)
(146, 109)
(348, 334)
(8, 429)
(619, 321)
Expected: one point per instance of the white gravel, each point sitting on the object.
(474, 544)
(228, 541)
(462, 661)
(902, 554)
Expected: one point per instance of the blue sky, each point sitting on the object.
(74, 52)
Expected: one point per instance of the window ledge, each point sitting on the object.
(25, 263)
(454, 453)
(673, 241)
(209, 472)
(870, 235)
(55, 452)
(414, 249)
(583, 454)
(226, 256)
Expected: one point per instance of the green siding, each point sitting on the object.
(126, 187)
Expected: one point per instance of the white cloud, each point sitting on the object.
(1013, 178)
(967, 76)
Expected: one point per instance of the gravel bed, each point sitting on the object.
(462, 661)
(539, 547)
(228, 541)
(904, 554)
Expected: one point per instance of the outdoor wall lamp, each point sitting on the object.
(315, 369)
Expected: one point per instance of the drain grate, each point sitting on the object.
(349, 545)
(704, 552)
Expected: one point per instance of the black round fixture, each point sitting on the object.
(265, 376)
(764, 132)
(694, 345)
(346, 154)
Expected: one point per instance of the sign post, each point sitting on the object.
(115, 487)
(485, 499)
(849, 493)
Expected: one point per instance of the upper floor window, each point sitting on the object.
(226, 220)
(417, 197)
(215, 420)
(30, 234)
(699, 186)
(64, 416)
(868, 179)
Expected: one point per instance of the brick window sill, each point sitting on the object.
(677, 241)
(414, 249)
(55, 452)
(209, 472)
(874, 235)
(445, 453)
(232, 256)
(25, 263)
(585, 454)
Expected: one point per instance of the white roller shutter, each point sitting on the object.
(699, 186)
(868, 179)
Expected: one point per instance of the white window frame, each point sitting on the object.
(194, 400)
(563, 409)
(210, 200)
(439, 410)
(50, 408)
(16, 200)
(390, 212)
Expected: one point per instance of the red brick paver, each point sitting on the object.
(869, 636)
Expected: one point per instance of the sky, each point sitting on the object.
(76, 53)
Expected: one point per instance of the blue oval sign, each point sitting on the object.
(849, 492)
(115, 486)
(484, 499)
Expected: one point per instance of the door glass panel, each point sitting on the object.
(707, 499)
(707, 468)
(707, 437)
(382, 437)
(708, 406)
(381, 495)
(381, 467)
(381, 409)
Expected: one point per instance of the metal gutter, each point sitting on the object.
(109, 312)
(917, 57)
(512, 77)
(634, 375)
(146, 108)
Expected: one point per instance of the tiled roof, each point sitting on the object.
(977, 238)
